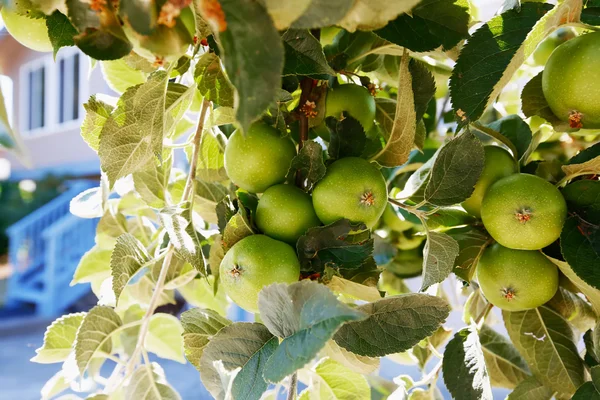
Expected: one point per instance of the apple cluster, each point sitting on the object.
(523, 213)
(258, 161)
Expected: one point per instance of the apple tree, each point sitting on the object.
(348, 172)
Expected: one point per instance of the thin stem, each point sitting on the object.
(189, 185)
(481, 317)
(109, 357)
(293, 387)
(306, 87)
(160, 282)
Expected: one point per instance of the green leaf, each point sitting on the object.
(592, 294)
(109, 228)
(179, 273)
(94, 335)
(583, 199)
(244, 346)
(221, 116)
(333, 381)
(455, 171)
(516, 131)
(574, 309)
(88, 204)
(353, 289)
(212, 82)
(128, 257)
(177, 221)
(333, 245)
(431, 24)
(133, 134)
(253, 58)
(474, 306)
(100, 34)
(439, 255)
(589, 167)
(165, 338)
(304, 55)
(580, 245)
(529, 389)
(309, 161)
(151, 183)
(373, 14)
(448, 218)
(423, 86)
(286, 311)
(394, 324)
(60, 31)
(360, 364)
(545, 340)
(587, 391)
(285, 12)
(7, 136)
(120, 76)
(96, 115)
(400, 139)
(56, 385)
(58, 339)
(497, 49)
(505, 365)
(465, 373)
(347, 137)
(199, 327)
(211, 158)
(94, 266)
(237, 228)
(322, 13)
(534, 103)
(208, 195)
(148, 383)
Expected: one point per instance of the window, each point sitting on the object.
(68, 89)
(36, 108)
(52, 93)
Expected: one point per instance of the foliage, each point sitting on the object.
(189, 73)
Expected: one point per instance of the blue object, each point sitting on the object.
(44, 250)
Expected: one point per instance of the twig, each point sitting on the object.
(293, 387)
(306, 87)
(160, 282)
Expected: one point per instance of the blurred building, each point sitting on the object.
(43, 241)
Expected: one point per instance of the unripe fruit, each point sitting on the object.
(30, 32)
(516, 280)
(571, 81)
(285, 213)
(498, 164)
(523, 212)
(259, 159)
(355, 100)
(546, 47)
(352, 188)
(253, 263)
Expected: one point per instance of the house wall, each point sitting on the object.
(57, 149)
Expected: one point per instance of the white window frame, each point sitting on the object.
(51, 95)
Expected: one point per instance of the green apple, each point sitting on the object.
(498, 164)
(395, 221)
(285, 213)
(30, 32)
(352, 188)
(355, 100)
(516, 280)
(571, 81)
(546, 47)
(259, 159)
(523, 212)
(253, 263)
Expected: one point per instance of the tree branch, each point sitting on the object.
(293, 387)
(160, 282)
